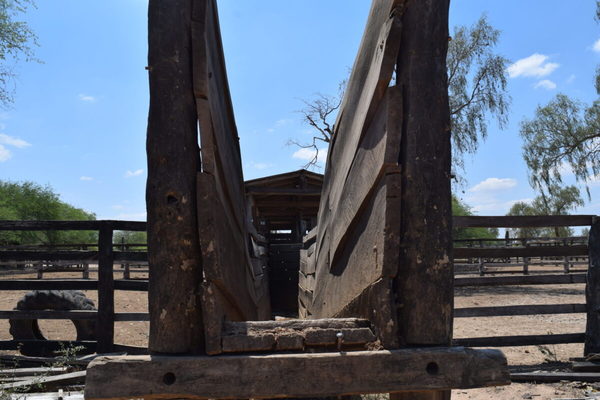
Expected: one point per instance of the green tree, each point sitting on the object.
(476, 88)
(560, 201)
(563, 135)
(462, 209)
(17, 41)
(29, 201)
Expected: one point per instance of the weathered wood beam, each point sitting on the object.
(520, 340)
(523, 221)
(534, 309)
(535, 251)
(71, 225)
(293, 375)
(592, 292)
(173, 162)
(283, 191)
(521, 280)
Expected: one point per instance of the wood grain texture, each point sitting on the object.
(315, 375)
(173, 162)
(523, 221)
(592, 292)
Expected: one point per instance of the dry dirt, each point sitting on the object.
(529, 358)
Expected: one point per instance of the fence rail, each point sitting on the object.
(104, 256)
(106, 253)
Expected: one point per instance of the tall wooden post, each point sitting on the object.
(425, 272)
(592, 291)
(173, 161)
(106, 290)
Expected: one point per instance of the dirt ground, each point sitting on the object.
(524, 358)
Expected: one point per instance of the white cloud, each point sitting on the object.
(496, 207)
(596, 46)
(309, 154)
(279, 124)
(260, 165)
(131, 174)
(13, 141)
(5, 154)
(571, 78)
(118, 207)
(86, 178)
(535, 65)
(494, 184)
(545, 84)
(87, 98)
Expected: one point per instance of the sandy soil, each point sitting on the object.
(525, 358)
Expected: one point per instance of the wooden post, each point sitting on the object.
(125, 266)
(592, 291)
(424, 284)
(174, 255)
(106, 295)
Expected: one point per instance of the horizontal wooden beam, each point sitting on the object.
(534, 309)
(522, 221)
(549, 279)
(536, 251)
(549, 377)
(71, 225)
(69, 314)
(45, 382)
(72, 255)
(70, 284)
(283, 191)
(293, 375)
(520, 340)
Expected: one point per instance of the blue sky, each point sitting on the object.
(79, 118)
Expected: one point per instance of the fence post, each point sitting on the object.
(592, 291)
(106, 305)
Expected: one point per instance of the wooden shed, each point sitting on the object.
(284, 208)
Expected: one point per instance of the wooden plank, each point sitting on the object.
(592, 292)
(48, 284)
(73, 255)
(376, 156)
(502, 252)
(520, 340)
(270, 191)
(20, 372)
(92, 225)
(105, 324)
(585, 366)
(226, 260)
(47, 382)
(269, 376)
(230, 327)
(549, 377)
(173, 162)
(537, 309)
(521, 280)
(522, 221)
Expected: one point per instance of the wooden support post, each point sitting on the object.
(86, 271)
(106, 286)
(424, 284)
(592, 292)
(174, 255)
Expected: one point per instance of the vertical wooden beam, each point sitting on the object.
(592, 292)
(106, 290)
(424, 284)
(173, 162)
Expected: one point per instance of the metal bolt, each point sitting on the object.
(340, 340)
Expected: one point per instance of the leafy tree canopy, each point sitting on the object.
(17, 41)
(563, 135)
(29, 201)
(562, 201)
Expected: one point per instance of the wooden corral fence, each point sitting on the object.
(103, 255)
(562, 250)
